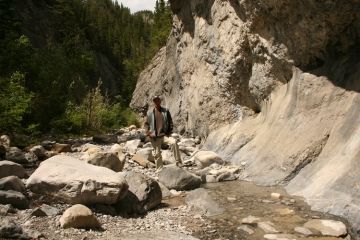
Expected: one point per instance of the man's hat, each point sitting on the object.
(156, 97)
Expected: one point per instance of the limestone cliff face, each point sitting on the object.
(274, 86)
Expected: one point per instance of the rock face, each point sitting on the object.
(74, 181)
(271, 88)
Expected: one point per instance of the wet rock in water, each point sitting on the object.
(146, 153)
(108, 160)
(304, 231)
(132, 146)
(10, 229)
(75, 181)
(45, 210)
(139, 159)
(146, 190)
(105, 139)
(156, 234)
(12, 183)
(327, 227)
(177, 178)
(206, 158)
(5, 141)
(9, 168)
(251, 220)
(280, 237)
(79, 216)
(226, 176)
(61, 147)
(202, 201)
(39, 151)
(16, 199)
(14, 154)
(267, 227)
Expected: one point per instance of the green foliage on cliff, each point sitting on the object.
(54, 54)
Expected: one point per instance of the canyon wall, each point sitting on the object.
(273, 86)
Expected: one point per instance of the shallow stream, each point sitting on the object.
(241, 199)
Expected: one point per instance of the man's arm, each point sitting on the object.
(147, 125)
(170, 123)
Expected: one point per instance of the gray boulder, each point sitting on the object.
(327, 227)
(10, 229)
(61, 147)
(132, 146)
(45, 210)
(206, 158)
(5, 141)
(108, 160)
(39, 151)
(146, 153)
(14, 154)
(143, 194)
(79, 216)
(12, 183)
(177, 178)
(31, 157)
(16, 199)
(203, 203)
(8, 168)
(75, 181)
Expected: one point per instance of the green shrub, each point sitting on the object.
(14, 102)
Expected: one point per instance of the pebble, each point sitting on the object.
(276, 195)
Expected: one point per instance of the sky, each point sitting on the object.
(136, 5)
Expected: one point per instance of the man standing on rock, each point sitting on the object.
(159, 124)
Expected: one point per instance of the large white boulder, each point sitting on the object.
(75, 181)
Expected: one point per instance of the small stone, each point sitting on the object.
(304, 231)
(231, 199)
(327, 227)
(276, 196)
(280, 237)
(267, 227)
(251, 220)
(246, 229)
